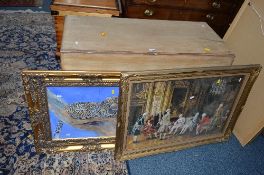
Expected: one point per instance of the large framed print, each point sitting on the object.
(168, 110)
(72, 111)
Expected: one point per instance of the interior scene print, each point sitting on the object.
(170, 111)
(82, 112)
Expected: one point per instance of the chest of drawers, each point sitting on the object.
(217, 13)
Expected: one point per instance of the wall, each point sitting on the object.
(245, 39)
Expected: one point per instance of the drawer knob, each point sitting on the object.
(210, 17)
(148, 12)
(152, 1)
(216, 5)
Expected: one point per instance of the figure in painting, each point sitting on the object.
(149, 129)
(164, 125)
(224, 117)
(136, 131)
(204, 124)
(207, 124)
(216, 121)
(190, 123)
(178, 124)
(156, 120)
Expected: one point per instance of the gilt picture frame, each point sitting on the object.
(72, 110)
(169, 110)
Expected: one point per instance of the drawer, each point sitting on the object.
(110, 7)
(217, 5)
(147, 12)
(218, 21)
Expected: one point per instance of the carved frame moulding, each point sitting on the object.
(214, 98)
(50, 112)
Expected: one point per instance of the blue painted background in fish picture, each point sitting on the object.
(82, 112)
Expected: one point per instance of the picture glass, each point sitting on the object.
(82, 112)
(163, 112)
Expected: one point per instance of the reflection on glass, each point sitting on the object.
(82, 112)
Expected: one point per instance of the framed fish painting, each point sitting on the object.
(72, 111)
(168, 110)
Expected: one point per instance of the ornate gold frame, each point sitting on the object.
(250, 72)
(35, 83)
